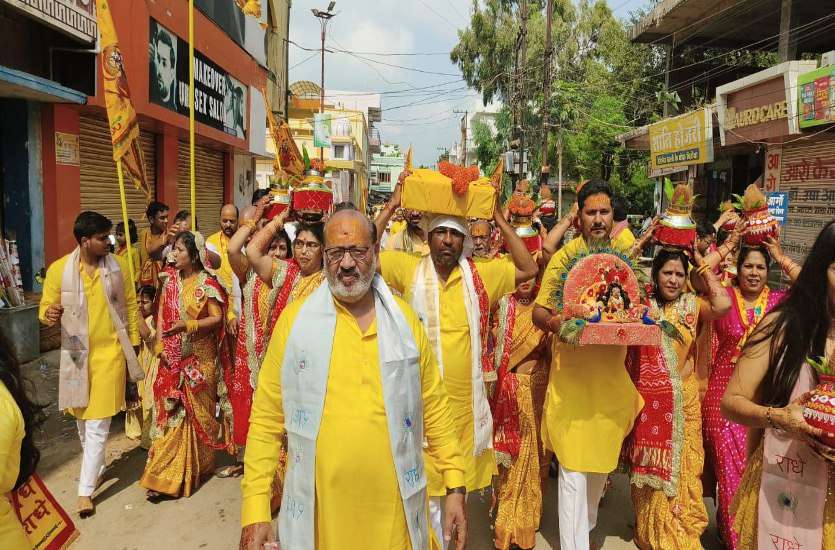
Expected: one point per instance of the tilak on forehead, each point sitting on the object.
(480, 229)
(597, 202)
(347, 228)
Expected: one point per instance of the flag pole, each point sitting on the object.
(191, 113)
(125, 219)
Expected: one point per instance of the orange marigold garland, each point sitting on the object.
(461, 176)
(521, 205)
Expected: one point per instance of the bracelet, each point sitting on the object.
(456, 490)
(248, 223)
(702, 269)
(769, 420)
(191, 326)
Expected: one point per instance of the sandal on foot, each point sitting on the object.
(234, 470)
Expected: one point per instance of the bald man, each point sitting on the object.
(349, 375)
(225, 274)
(481, 231)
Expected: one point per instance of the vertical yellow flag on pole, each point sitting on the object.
(124, 126)
(407, 163)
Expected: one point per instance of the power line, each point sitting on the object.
(447, 21)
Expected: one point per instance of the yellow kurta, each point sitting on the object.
(224, 273)
(106, 362)
(137, 267)
(358, 502)
(591, 402)
(499, 276)
(12, 535)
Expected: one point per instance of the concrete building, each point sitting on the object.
(385, 169)
(465, 154)
(56, 149)
(353, 137)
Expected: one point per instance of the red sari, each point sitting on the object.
(262, 305)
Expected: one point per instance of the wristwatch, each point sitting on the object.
(456, 490)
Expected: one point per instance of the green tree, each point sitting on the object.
(602, 86)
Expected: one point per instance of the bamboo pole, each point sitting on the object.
(191, 114)
(131, 267)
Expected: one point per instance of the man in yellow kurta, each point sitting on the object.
(91, 294)
(220, 242)
(591, 403)
(453, 295)
(355, 424)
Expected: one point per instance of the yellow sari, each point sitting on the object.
(188, 389)
(522, 362)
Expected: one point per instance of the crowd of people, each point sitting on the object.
(367, 375)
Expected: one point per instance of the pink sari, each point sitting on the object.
(725, 441)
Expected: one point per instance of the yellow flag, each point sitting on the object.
(407, 165)
(288, 159)
(250, 7)
(124, 126)
(498, 172)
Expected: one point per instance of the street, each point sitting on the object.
(210, 519)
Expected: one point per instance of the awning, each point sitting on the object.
(23, 85)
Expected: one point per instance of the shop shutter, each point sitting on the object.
(807, 173)
(208, 175)
(99, 182)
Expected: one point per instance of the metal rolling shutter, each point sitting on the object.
(807, 173)
(99, 182)
(208, 179)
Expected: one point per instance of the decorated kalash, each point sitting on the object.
(310, 196)
(521, 208)
(759, 224)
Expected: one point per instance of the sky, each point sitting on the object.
(420, 96)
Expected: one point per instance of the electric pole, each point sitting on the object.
(324, 17)
(519, 90)
(463, 133)
(546, 94)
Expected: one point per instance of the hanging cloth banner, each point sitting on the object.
(322, 130)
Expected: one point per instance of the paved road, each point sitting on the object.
(125, 520)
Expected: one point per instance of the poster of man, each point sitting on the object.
(163, 56)
(234, 107)
(220, 100)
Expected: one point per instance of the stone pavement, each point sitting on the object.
(125, 520)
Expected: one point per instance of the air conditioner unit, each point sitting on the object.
(828, 58)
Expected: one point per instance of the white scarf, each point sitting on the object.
(304, 379)
(73, 383)
(425, 301)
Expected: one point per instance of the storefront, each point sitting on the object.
(45, 63)
(229, 112)
(807, 163)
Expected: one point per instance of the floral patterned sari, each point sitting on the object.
(193, 415)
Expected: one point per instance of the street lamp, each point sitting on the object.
(324, 17)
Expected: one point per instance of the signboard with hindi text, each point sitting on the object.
(47, 525)
(778, 206)
(817, 97)
(220, 101)
(681, 141)
(807, 175)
